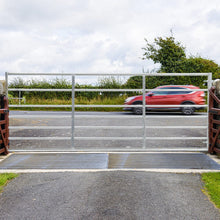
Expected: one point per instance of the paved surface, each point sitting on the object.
(109, 161)
(106, 195)
(101, 119)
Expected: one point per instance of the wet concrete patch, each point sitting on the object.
(109, 161)
(162, 161)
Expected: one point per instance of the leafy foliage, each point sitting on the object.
(171, 55)
(110, 83)
(166, 51)
(50, 84)
(134, 82)
(103, 83)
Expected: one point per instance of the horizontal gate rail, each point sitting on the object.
(38, 116)
(108, 138)
(108, 116)
(101, 90)
(106, 127)
(108, 106)
(143, 136)
(112, 74)
(113, 150)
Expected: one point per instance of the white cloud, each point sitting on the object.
(100, 35)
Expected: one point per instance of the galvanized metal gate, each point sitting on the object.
(28, 140)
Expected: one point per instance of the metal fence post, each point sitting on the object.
(6, 83)
(209, 85)
(73, 110)
(144, 110)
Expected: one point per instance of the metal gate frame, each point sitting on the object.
(214, 122)
(4, 125)
(143, 91)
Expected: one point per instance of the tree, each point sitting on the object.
(166, 51)
(134, 82)
(198, 65)
(172, 57)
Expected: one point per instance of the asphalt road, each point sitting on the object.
(106, 195)
(160, 119)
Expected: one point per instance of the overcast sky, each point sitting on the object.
(101, 35)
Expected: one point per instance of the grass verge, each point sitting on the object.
(80, 101)
(212, 186)
(5, 178)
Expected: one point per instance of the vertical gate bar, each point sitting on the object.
(144, 111)
(19, 96)
(210, 128)
(73, 109)
(209, 85)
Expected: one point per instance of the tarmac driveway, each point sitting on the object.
(106, 195)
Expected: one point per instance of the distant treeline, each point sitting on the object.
(134, 82)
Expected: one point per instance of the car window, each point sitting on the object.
(171, 92)
(178, 92)
(161, 92)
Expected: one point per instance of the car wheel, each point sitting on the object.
(138, 110)
(187, 110)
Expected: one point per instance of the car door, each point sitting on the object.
(176, 97)
(157, 97)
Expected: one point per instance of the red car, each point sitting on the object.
(175, 97)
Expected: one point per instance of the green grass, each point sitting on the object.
(212, 186)
(81, 101)
(5, 178)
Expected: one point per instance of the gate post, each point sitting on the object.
(209, 118)
(214, 118)
(4, 118)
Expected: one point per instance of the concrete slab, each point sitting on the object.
(162, 161)
(56, 161)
